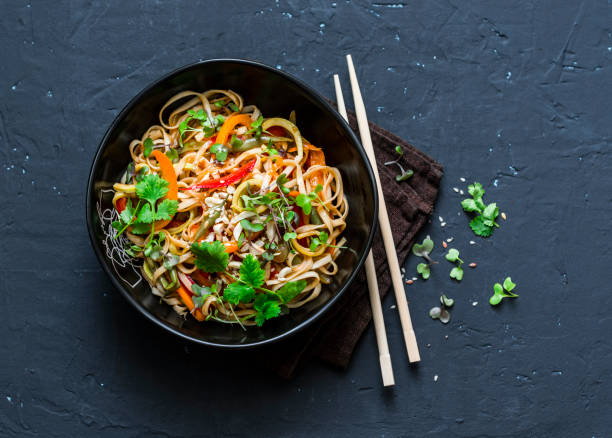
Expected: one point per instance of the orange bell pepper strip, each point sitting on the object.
(230, 123)
(189, 303)
(231, 246)
(316, 157)
(168, 174)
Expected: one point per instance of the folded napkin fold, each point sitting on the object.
(409, 203)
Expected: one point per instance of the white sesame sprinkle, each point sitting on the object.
(472, 242)
(393, 307)
(443, 224)
(461, 192)
(450, 239)
(456, 189)
(475, 303)
(462, 179)
(436, 378)
(503, 215)
(414, 279)
(440, 218)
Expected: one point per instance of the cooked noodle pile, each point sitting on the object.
(236, 218)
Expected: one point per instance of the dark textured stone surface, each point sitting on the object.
(515, 95)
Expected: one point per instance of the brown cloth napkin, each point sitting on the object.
(409, 204)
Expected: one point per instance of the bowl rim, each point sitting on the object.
(89, 196)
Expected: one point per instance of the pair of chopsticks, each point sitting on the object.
(385, 228)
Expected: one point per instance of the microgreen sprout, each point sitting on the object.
(442, 312)
(405, 174)
(453, 257)
(500, 292)
(423, 250)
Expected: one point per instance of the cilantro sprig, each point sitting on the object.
(500, 292)
(248, 286)
(483, 223)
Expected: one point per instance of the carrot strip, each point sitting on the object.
(316, 157)
(168, 174)
(189, 303)
(231, 246)
(230, 123)
(294, 193)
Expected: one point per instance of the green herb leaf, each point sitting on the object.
(291, 290)
(508, 284)
(141, 228)
(219, 104)
(251, 273)
(423, 249)
(469, 204)
(145, 215)
(234, 107)
(399, 150)
(236, 142)
(423, 269)
(303, 201)
(452, 255)
(172, 154)
(166, 209)
(446, 301)
(267, 307)
(281, 181)
(457, 273)
(210, 257)
(238, 292)
(148, 146)
(151, 188)
(251, 227)
(491, 211)
(170, 261)
(480, 228)
(220, 152)
(476, 190)
(289, 236)
(435, 312)
(404, 175)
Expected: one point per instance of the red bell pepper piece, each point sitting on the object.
(224, 181)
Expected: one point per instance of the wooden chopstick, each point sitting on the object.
(383, 219)
(379, 323)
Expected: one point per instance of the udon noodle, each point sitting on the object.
(236, 217)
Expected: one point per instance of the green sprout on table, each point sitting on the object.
(405, 174)
(483, 223)
(500, 292)
(423, 250)
(453, 257)
(442, 312)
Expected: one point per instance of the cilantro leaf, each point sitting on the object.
(151, 188)
(267, 307)
(145, 216)
(480, 228)
(148, 146)
(491, 211)
(476, 190)
(210, 257)
(251, 273)
(166, 209)
(128, 213)
(291, 290)
(141, 228)
(238, 292)
(470, 205)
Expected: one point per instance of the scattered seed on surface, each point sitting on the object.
(475, 303)
(393, 307)
(444, 244)
(461, 192)
(436, 378)
(462, 179)
(409, 281)
(440, 218)
(443, 224)
(503, 215)
(472, 242)
(456, 189)
(414, 278)
(472, 265)
(428, 345)
(446, 337)
(450, 239)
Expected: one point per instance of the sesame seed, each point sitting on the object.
(443, 224)
(456, 189)
(462, 179)
(436, 378)
(450, 239)
(414, 279)
(393, 307)
(472, 265)
(475, 303)
(444, 244)
(472, 242)
(446, 337)
(440, 218)
(461, 192)
(503, 215)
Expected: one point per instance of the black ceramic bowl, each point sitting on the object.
(276, 93)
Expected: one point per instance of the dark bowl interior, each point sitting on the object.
(276, 94)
